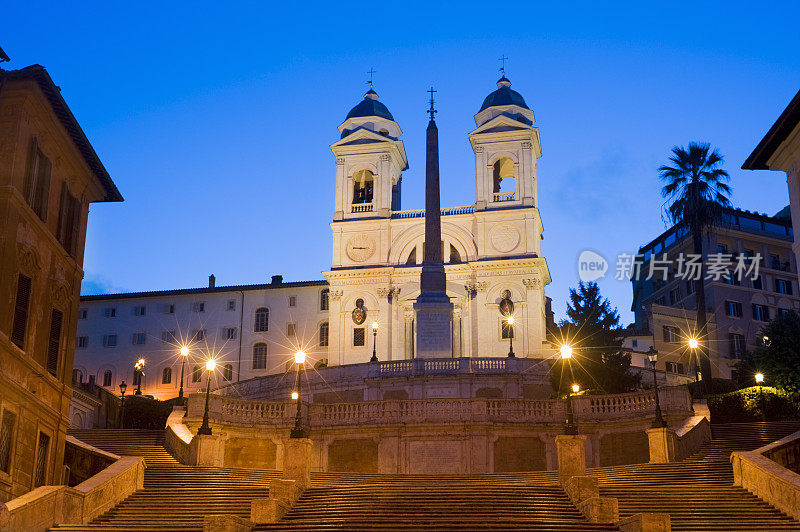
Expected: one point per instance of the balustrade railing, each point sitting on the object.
(361, 207)
(504, 196)
(447, 211)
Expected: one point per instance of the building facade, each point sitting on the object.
(49, 174)
(491, 250)
(741, 307)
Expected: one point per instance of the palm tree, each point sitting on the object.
(697, 192)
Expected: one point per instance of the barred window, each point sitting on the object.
(166, 376)
(262, 320)
(358, 336)
(323, 334)
(197, 373)
(227, 372)
(323, 299)
(7, 439)
(260, 356)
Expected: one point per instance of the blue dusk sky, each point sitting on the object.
(215, 119)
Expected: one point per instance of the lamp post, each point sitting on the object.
(659, 422)
(375, 326)
(184, 356)
(205, 428)
(510, 322)
(570, 427)
(693, 345)
(122, 388)
(298, 431)
(759, 380)
(138, 373)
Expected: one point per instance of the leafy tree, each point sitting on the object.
(779, 359)
(593, 331)
(696, 188)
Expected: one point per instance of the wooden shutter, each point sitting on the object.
(62, 216)
(20, 324)
(42, 191)
(30, 172)
(54, 344)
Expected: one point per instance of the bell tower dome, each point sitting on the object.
(506, 146)
(370, 159)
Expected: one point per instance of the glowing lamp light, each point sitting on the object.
(211, 364)
(375, 325)
(184, 351)
(759, 378)
(576, 388)
(300, 356)
(140, 362)
(295, 395)
(566, 351)
(511, 320)
(693, 343)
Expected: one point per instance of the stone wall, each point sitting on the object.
(85, 461)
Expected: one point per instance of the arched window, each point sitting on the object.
(262, 320)
(166, 376)
(260, 356)
(77, 376)
(323, 299)
(227, 372)
(502, 169)
(412, 258)
(197, 373)
(323, 334)
(107, 378)
(455, 256)
(363, 183)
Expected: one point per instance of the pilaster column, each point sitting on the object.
(341, 182)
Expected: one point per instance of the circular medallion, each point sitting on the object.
(359, 315)
(505, 238)
(506, 307)
(360, 247)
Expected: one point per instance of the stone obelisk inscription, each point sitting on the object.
(433, 309)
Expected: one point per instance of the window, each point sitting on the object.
(758, 284)
(199, 306)
(7, 427)
(139, 310)
(783, 312)
(69, 218)
(107, 378)
(691, 286)
(455, 256)
(262, 320)
(323, 299)
(83, 314)
(20, 325)
(110, 340)
(675, 367)
(674, 295)
(260, 356)
(37, 180)
(362, 186)
(358, 337)
(760, 312)
(733, 309)
(735, 344)
(83, 342)
(139, 338)
(54, 341)
(231, 304)
(783, 286)
(42, 450)
(166, 376)
(167, 336)
(169, 308)
(227, 372)
(291, 330)
(229, 333)
(774, 261)
(634, 343)
(506, 330)
(77, 375)
(110, 312)
(292, 301)
(323, 334)
(197, 373)
(732, 279)
(199, 335)
(671, 334)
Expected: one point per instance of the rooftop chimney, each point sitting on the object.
(212, 281)
(277, 279)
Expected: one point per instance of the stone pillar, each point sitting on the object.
(662, 445)
(297, 462)
(571, 450)
(209, 450)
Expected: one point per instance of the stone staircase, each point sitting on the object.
(697, 493)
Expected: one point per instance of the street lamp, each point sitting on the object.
(759, 380)
(122, 388)
(205, 428)
(659, 422)
(298, 431)
(566, 352)
(510, 322)
(693, 345)
(375, 326)
(570, 427)
(184, 356)
(138, 373)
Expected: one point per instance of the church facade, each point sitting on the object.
(491, 250)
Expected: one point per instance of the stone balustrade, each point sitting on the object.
(674, 399)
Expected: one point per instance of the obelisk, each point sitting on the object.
(433, 309)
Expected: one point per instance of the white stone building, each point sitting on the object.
(491, 250)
